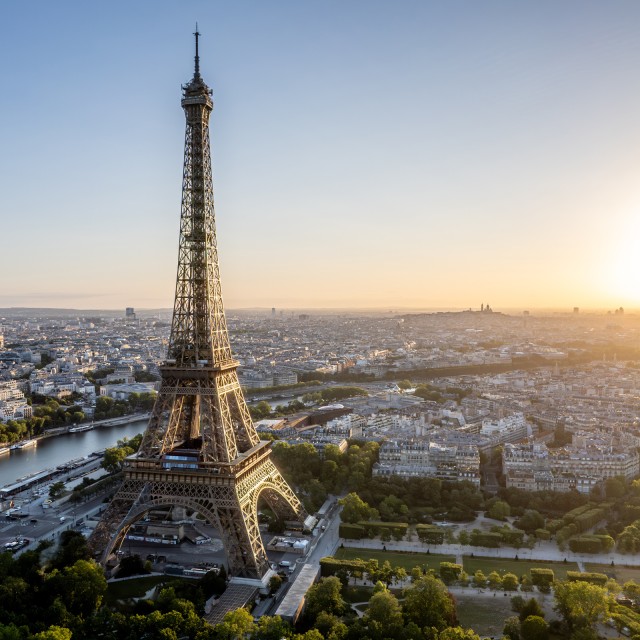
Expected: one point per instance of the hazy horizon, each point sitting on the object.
(348, 310)
(366, 155)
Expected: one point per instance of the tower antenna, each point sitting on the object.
(197, 58)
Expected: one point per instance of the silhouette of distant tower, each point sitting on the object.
(200, 450)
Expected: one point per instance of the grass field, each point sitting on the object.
(485, 616)
(396, 558)
(519, 567)
(619, 573)
(134, 588)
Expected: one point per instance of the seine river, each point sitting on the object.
(51, 452)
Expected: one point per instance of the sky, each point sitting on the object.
(366, 154)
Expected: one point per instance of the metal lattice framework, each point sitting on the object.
(200, 410)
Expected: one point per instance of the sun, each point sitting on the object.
(622, 273)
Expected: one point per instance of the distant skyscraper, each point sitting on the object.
(130, 313)
(273, 311)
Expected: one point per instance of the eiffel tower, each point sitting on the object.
(200, 450)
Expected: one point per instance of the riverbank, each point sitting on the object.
(97, 424)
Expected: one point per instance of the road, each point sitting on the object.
(42, 521)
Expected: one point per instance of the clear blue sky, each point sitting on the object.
(366, 154)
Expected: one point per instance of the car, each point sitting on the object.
(33, 521)
(284, 563)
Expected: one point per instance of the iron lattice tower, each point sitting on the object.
(200, 449)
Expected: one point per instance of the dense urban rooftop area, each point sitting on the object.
(555, 395)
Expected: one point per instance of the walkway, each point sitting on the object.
(542, 551)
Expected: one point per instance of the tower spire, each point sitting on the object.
(196, 73)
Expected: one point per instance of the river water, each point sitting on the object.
(50, 452)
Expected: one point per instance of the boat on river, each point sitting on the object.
(25, 444)
(81, 428)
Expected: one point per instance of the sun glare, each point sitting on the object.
(622, 278)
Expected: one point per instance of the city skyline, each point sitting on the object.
(420, 156)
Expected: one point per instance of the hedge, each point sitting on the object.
(512, 537)
(594, 578)
(430, 533)
(623, 619)
(542, 577)
(590, 544)
(351, 531)
(329, 566)
(397, 529)
(484, 539)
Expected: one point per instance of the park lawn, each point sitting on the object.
(519, 567)
(618, 572)
(396, 558)
(134, 588)
(485, 615)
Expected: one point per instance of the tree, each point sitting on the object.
(530, 521)
(479, 579)
(325, 596)
(631, 589)
(114, 457)
(458, 633)
(10, 632)
(275, 582)
(272, 628)
(510, 582)
(330, 626)
(383, 617)
(312, 634)
(131, 566)
(534, 628)
(53, 633)
(81, 587)
(614, 487)
(392, 509)
(428, 604)
(581, 604)
(56, 489)
(512, 628)
(463, 537)
(236, 625)
(384, 574)
(494, 580)
(499, 510)
(72, 547)
(531, 608)
(354, 509)
(260, 411)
